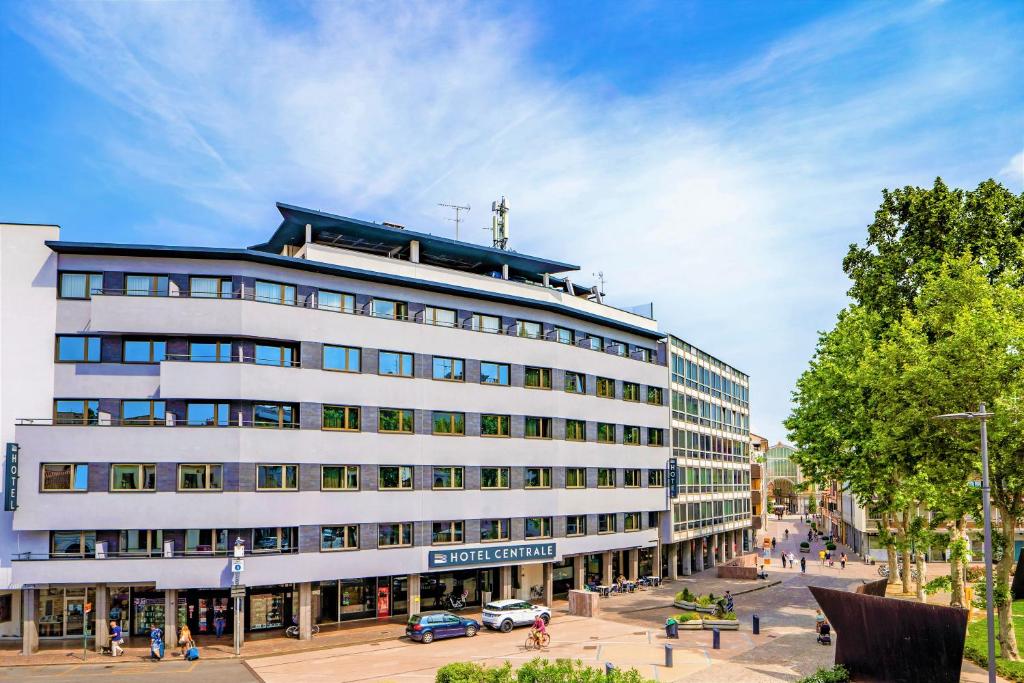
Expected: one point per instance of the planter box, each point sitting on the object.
(805, 550)
(705, 610)
(721, 624)
(683, 605)
(692, 625)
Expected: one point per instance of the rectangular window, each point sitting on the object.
(145, 285)
(575, 430)
(453, 424)
(575, 382)
(144, 351)
(444, 533)
(445, 317)
(447, 477)
(78, 543)
(575, 478)
(564, 336)
(538, 527)
(336, 301)
(494, 373)
(537, 478)
(605, 432)
(274, 415)
(606, 524)
(133, 477)
(395, 420)
(538, 378)
(655, 436)
(275, 293)
(76, 411)
(655, 395)
(397, 535)
(386, 308)
(339, 477)
(339, 538)
(342, 358)
(80, 285)
(341, 418)
(576, 525)
(632, 478)
(64, 477)
(605, 387)
(206, 541)
(78, 349)
(616, 347)
(200, 478)
(207, 415)
(494, 477)
(486, 323)
(274, 354)
(495, 425)
(209, 351)
(631, 436)
(525, 328)
(274, 539)
(538, 428)
(277, 477)
(606, 478)
(210, 287)
(149, 413)
(631, 521)
(395, 478)
(494, 530)
(394, 363)
(630, 391)
(140, 541)
(449, 369)
(655, 478)
(594, 343)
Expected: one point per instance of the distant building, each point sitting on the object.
(784, 481)
(758, 449)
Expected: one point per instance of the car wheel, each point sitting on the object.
(470, 631)
(545, 618)
(506, 626)
(428, 638)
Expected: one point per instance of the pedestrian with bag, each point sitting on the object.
(185, 642)
(156, 643)
(116, 639)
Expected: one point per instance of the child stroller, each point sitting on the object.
(825, 634)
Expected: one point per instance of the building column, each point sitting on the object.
(170, 618)
(306, 610)
(727, 546)
(633, 558)
(607, 561)
(687, 557)
(673, 561)
(29, 628)
(102, 611)
(656, 560)
(701, 550)
(549, 583)
(523, 592)
(711, 550)
(413, 592)
(578, 572)
(505, 579)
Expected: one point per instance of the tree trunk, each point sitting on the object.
(905, 552)
(890, 549)
(1007, 637)
(921, 576)
(957, 597)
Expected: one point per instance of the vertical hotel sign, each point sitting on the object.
(673, 477)
(11, 478)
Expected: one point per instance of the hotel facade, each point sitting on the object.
(371, 419)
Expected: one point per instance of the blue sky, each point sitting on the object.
(716, 158)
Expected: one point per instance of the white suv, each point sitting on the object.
(503, 615)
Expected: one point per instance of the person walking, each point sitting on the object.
(116, 639)
(821, 556)
(185, 641)
(783, 560)
(842, 560)
(730, 605)
(803, 565)
(156, 643)
(773, 543)
(785, 534)
(219, 622)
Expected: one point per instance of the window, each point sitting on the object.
(538, 527)
(575, 430)
(631, 436)
(606, 524)
(395, 420)
(594, 343)
(145, 285)
(605, 432)
(341, 418)
(207, 415)
(445, 317)
(486, 323)
(576, 525)
(575, 478)
(336, 301)
(199, 478)
(575, 382)
(394, 535)
(80, 543)
(64, 477)
(655, 395)
(525, 328)
(274, 539)
(631, 521)
(385, 308)
(140, 541)
(632, 478)
(210, 287)
(144, 351)
(78, 349)
(277, 477)
(606, 478)
(449, 369)
(150, 413)
(538, 378)
(80, 285)
(538, 428)
(339, 477)
(339, 538)
(494, 425)
(616, 347)
(494, 373)
(274, 415)
(605, 387)
(395, 478)
(209, 351)
(274, 354)
(654, 437)
(447, 532)
(342, 358)
(564, 336)
(275, 293)
(447, 477)
(655, 478)
(494, 530)
(453, 424)
(133, 477)
(630, 391)
(494, 478)
(76, 411)
(206, 541)
(537, 478)
(395, 363)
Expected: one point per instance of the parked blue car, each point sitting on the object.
(430, 626)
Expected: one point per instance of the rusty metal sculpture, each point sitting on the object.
(1017, 587)
(873, 588)
(883, 639)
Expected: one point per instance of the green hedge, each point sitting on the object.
(536, 671)
(837, 674)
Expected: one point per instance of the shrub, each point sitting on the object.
(470, 672)
(805, 544)
(685, 595)
(704, 601)
(571, 671)
(837, 674)
(830, 546)
(728, 616)
(685, 617)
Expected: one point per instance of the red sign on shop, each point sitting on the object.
(383, 602)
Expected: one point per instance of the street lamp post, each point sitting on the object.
(982, 417)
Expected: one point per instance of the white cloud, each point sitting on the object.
(1013, 172)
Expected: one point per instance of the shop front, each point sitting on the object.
(562, 578)
(367, 598)
(436, 587)
(205, 606)
(61, 612)
(269, 607)
(593, 568)
(646, 562)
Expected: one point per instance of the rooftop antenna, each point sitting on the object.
(499, 223)
(458, 215)
(600, 278)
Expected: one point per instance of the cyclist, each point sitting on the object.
(538, 631)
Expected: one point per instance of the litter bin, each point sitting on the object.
(671, 628)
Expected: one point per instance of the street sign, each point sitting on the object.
(11, 477)
(238, 591)
(237, 566)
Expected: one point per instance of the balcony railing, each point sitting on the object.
(154, 555)
(111, 422)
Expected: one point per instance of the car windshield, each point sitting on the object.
(415, 619)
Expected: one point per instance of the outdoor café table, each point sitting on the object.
(605, 591)
(654, 580)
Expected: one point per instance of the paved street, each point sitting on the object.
(221, 671)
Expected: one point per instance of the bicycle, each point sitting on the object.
(293, 630)
(883, 571)
(537, 640)
(455, 603)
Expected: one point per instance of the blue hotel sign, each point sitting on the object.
(673, 477)
(11, 478)
(461, 557)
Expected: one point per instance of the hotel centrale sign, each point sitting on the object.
(462, 557)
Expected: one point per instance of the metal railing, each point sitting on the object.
(111, 422)
(32, 556)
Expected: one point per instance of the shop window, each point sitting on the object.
(606, 478)
(266, 611)
(64, 477)
(576, 525)
(341, 418)
(395, 421)
(452, 424)
(448, 477)
(336, 301)
(631, 478)
(395, 364)
(494, 530)
(339, 477)
(449, 369)
(76, 411)
(277, 477)
(77, 543)
(143, 413)
(206, 540)
(74, 349)
(80, 285)
(575, 382)
(342, 358)
(447, 533)
(386, 308)
(275, 293)
(538, 527)
(575, 478)
(397, 535)
(575, 430)
(145, 285)
(444, 317)
(6, 606)
(605, 387)
(339, 537)
(124, 477)
(210, 287)
(395, 478)
(207, 415)
(537, 478)
(494, 477)
(537, 378)
(209, 351)
(144, 350)
(495, 425)
(494, 373)
(199, 477)
(606, 524)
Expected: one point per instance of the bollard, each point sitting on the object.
(668, 656)
(716, 639)
(608, 669)
(757, 624)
